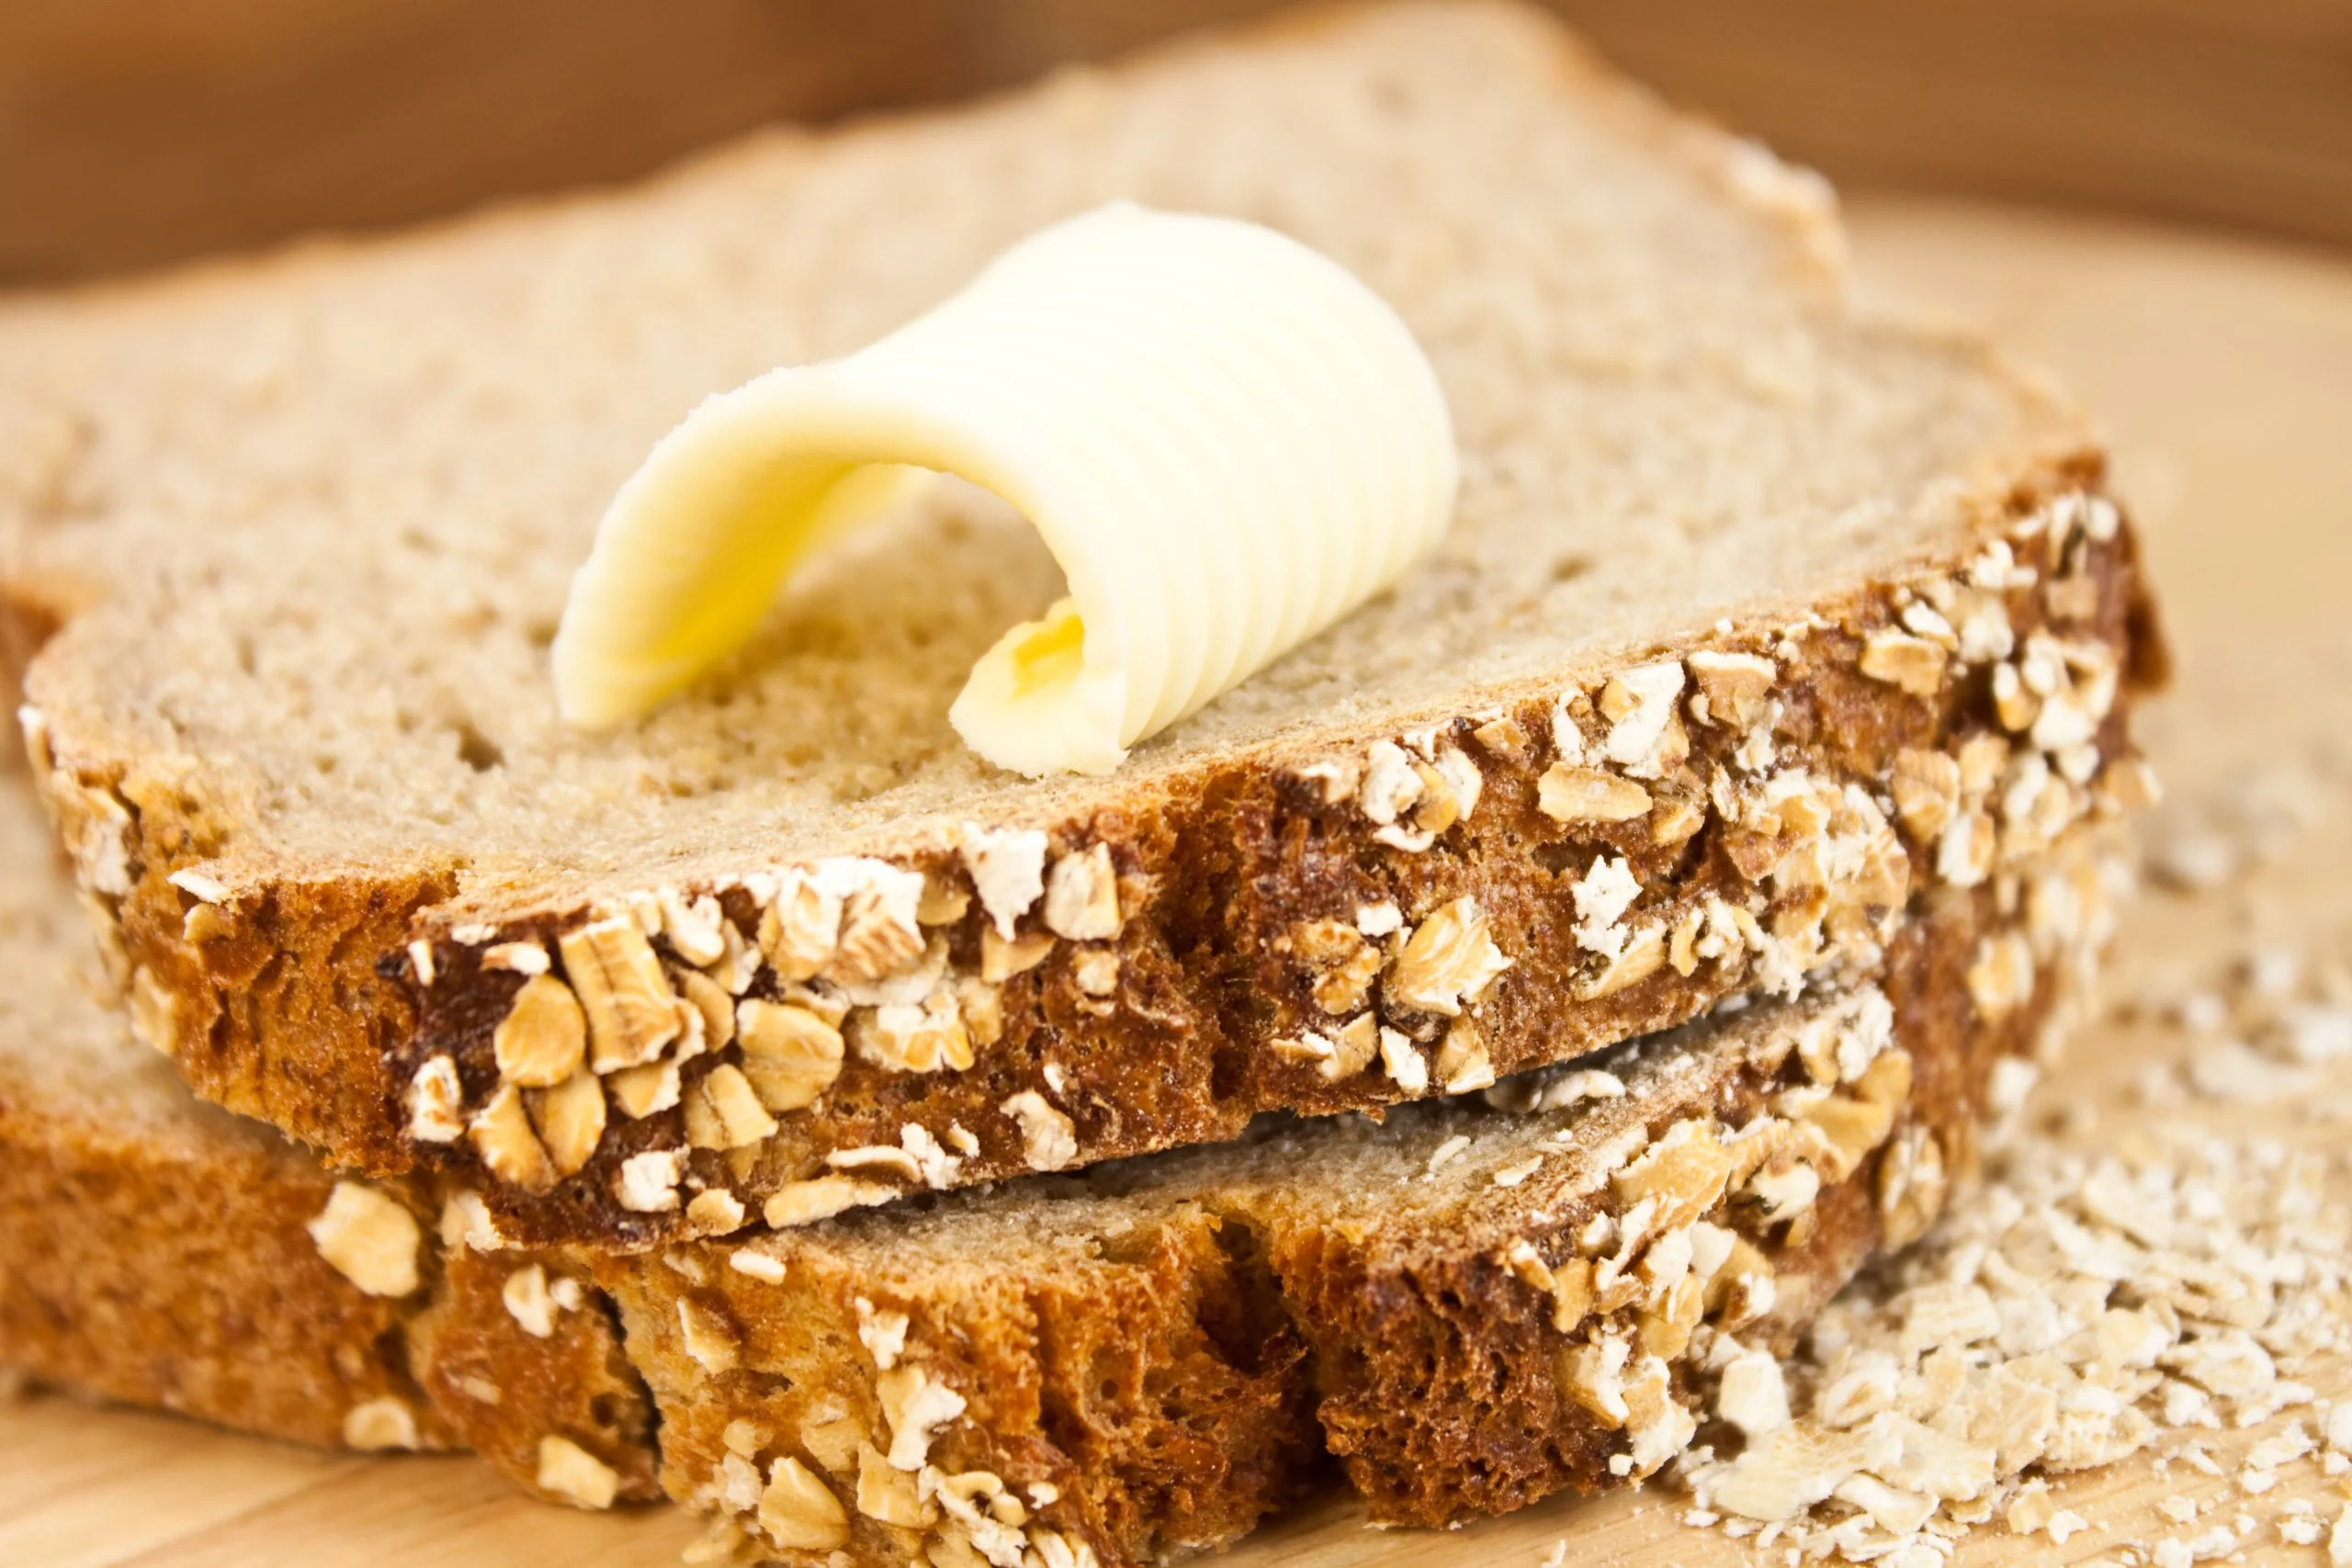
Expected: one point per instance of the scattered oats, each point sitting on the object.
(571, 1472)
(761, 1266)
(915, 1405)
(1404, 1065)
(2099, 1294)
(799, 1512)
(527, 1301)
(1447, 1150)
(376, 1424)
(1449, 960)
(1082, 896)
(1512, 1175)
(882, 1332)
(369, 1239)
(1753, 1395)
(1048, 1137)
(437, 1102)
(649, 1181)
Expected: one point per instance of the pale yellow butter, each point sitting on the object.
(1226, 439)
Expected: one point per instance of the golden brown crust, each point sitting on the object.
(1159, 1373)
(506, 1389)
(188, 1283)
(1441, 1389)
(180, 1271)
(1153, 1387)
(157, 1250)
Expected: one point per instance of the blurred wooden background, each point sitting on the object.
(136, 132)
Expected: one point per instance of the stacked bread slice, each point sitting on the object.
(1716, 810)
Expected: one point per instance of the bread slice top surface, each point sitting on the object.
(368, 472)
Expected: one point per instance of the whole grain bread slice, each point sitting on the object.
(1471, 1305)
(159, 1251)
(1731, 566)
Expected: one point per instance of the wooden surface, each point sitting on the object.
(133, 131)
(2225, 372)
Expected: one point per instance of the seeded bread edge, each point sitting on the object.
(1162, 1391)
(180, 1271)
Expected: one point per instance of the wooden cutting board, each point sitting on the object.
(2224, 372)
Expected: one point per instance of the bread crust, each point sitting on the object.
(1162, 1351)
(1164, 1372)
(178, 1270)
(189, 1284)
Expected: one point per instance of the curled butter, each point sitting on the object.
(1226, 440)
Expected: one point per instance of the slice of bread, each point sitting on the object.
(1729, 559)
(157, 1250)
(1148, 1356)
